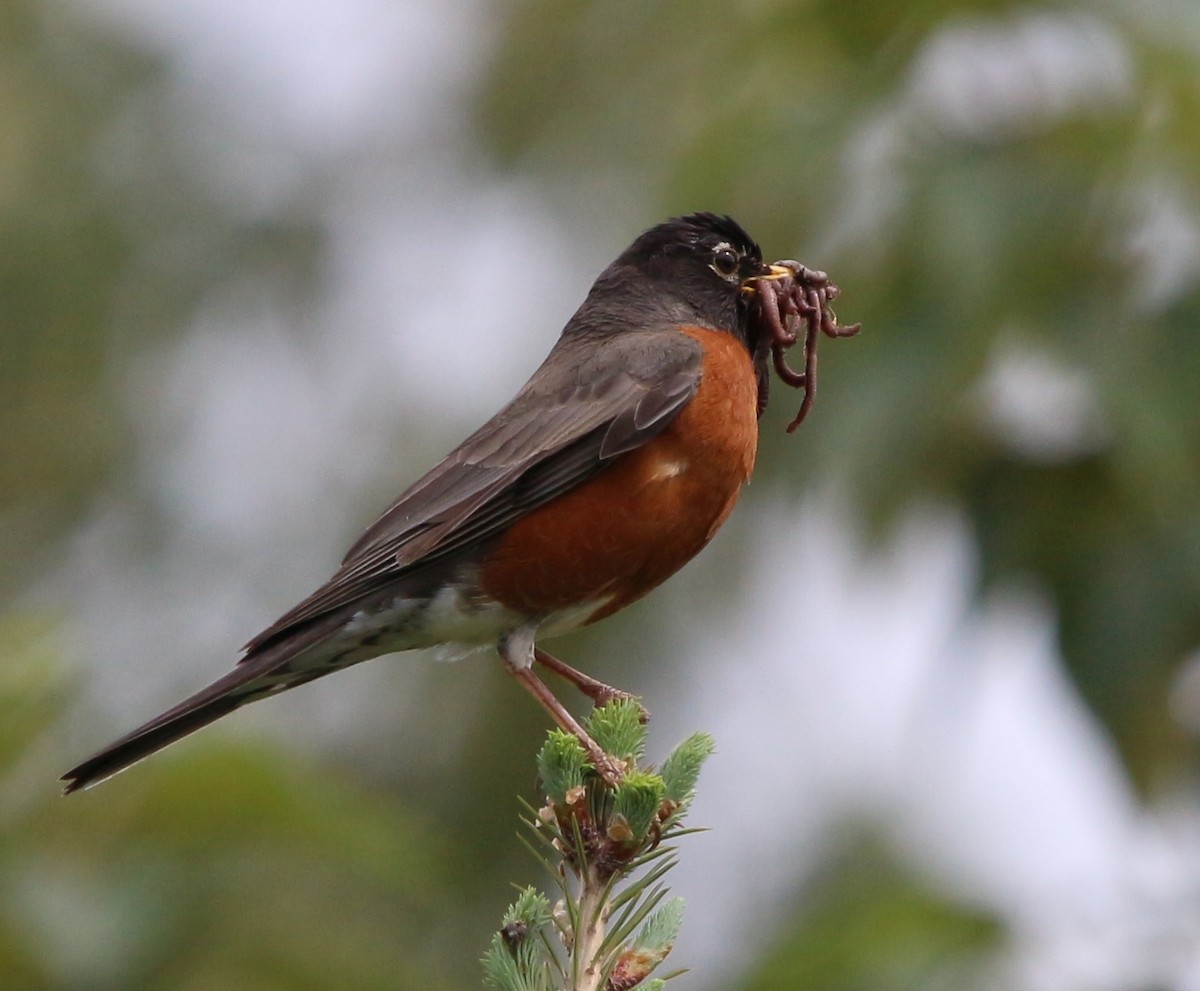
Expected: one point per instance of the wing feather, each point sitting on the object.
(586, 405)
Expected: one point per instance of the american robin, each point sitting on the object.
(611, 468)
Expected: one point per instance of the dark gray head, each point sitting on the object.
(689, 269)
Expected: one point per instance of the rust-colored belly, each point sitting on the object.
(635, 524)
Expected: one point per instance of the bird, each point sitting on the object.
(611, 468)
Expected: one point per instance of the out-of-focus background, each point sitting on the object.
(263, 263)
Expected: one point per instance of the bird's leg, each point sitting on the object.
(518, 652)
(604, 764)
(600, 693)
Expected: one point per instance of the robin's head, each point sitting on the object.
(694, 268)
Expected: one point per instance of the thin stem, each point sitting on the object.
(593, 918)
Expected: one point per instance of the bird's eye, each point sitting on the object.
(725, 261)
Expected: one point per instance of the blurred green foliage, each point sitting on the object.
(65, 254)
(111, 239)
(957, 230)
(865, 923)
(227, 868)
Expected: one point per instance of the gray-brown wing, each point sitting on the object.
(586, 405)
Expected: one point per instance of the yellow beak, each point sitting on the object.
(773, 272)
(778, 272)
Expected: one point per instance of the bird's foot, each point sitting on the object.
(600, 693)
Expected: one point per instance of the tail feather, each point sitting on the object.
(257, 676)
(146, 740)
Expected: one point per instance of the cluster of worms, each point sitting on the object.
(784, 304)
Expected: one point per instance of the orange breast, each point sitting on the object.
(635, 524)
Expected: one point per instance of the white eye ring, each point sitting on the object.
(725, 261)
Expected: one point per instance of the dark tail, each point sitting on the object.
(257, 676)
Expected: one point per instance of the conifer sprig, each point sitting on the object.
(607, 851)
